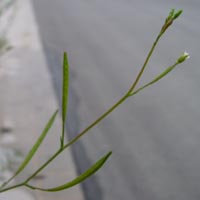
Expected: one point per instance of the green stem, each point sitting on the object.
(63, 135)
(77, 137)
(130, 92)
(145, 63)
(33, 187)
(12, 187)
(8, 181)
(44, 165)
(122, 99)
(97, 121)
(127, 95)
(30, 186)
(155, 79)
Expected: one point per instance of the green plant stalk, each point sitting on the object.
(71, 142)
(169, 20)
(75, 139)
(163, 74)
(12, 187)
(44, 165)
(145, 63)
(127, 95)
(130, 92)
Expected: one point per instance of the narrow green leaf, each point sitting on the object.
(80, 178)
(65, 86)
(37, 144)
(64, 94)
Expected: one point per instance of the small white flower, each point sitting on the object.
(186, 55)
(183, 57)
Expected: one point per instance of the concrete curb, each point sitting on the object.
(27, 102)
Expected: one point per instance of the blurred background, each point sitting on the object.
(155, 135)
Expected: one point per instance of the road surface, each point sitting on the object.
(155, 135)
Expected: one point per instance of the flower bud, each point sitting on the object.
(169, 20)
(183, 57)
(177, 14)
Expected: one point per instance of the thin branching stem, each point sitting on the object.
(172, 16)
(127, 95)
(76, 138)
(44, 165)
(12, 187)
(145, 64)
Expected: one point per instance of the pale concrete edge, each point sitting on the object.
(17, 31)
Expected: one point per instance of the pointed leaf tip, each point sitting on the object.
(65, 89)
(37, 143)
(89, 172)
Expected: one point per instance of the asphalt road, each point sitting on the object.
(155, 135)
